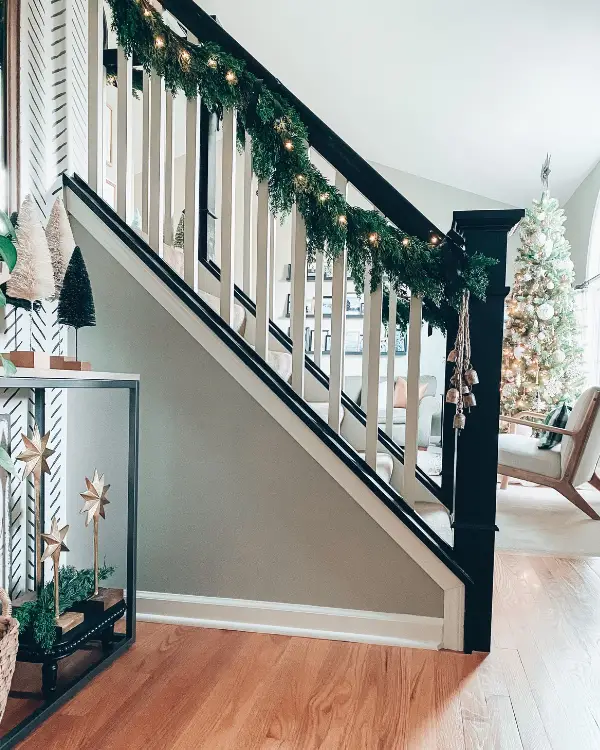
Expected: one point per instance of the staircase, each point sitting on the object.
(235, 324)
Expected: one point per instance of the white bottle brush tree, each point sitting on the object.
(541, 358)
(32, 279)
(60, 243)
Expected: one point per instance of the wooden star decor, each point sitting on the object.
(95, 497)
(95, 500)
(35, 454)
(35, 457)
(55, 544)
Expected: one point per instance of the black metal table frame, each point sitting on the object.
(39, 386)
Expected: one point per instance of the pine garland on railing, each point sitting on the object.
(438, 270)
(38, 614)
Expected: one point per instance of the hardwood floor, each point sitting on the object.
(191, 689)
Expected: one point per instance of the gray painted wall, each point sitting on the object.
(580, 210)
(230, 505)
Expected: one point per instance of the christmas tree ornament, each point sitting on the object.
(559, 356)
(60, 243)
(76, 303)
(95, 500)
(35, 458)
(545, 311)
(519, 351)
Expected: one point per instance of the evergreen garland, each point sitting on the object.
(439, 272)
(37, 615)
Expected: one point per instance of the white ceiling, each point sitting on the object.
(468, 93)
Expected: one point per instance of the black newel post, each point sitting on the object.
(474, 454)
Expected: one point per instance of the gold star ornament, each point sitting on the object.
(95, 497)
(55, 541)
(35, 454)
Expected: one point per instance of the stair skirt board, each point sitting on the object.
(406, 538)
(301, 620)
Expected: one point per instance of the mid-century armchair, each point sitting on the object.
(565, 467)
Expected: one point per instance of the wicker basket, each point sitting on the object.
(9, 644)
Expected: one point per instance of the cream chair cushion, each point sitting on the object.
(522, 452)
(591, 452)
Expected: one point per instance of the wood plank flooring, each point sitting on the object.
(193, 689)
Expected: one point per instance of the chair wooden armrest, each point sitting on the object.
(538, 426)
(530, 414)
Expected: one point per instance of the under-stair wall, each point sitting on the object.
(230, 506)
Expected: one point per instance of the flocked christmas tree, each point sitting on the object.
(32, 278)
(180, 231)
(60, 243)
(541, 352)
(76, 302)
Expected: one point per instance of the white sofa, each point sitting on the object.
(427, 408)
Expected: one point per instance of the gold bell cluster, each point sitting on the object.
(464, 376)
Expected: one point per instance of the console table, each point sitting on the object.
(96, 627)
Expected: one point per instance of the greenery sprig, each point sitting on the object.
(37, 615)
(438, 271)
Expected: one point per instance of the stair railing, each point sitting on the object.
(248, 253)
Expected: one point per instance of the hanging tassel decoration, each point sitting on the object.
(464, 376)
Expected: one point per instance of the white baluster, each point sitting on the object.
(169, 183)
(263, 270)
(156, 172)
(247, 270)
(391, 361)
(124, 129)
(298, 311)
(338, 327)
(227, 215)
(318, 335)
(374, 347)
(271, 264)
(365, 353)
(412, 399)
(190, 227)
(95, 97)
(146, 94)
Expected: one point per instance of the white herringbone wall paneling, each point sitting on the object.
(53, 109)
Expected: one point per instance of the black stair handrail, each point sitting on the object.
(365, 178)
(383, 491)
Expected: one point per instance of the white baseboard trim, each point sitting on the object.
(302, 620)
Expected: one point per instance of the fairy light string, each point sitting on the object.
(437, 270)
